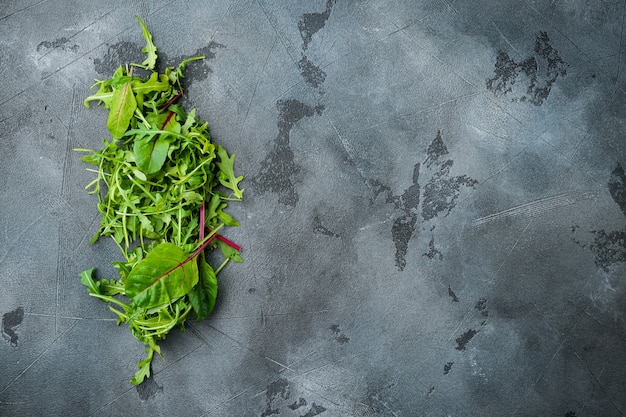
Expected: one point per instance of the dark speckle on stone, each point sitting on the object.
(315, 410)
(311, 23)
(117, 54)
(617, 187)
(481, 305)
(609, 247)
(10, 321)
(537, 73)
(465, 338)
(278, 169)
(436, 150)
(452, 295)
(433, 252)
(442, 191)
(320, 229)
(312, 74)
(300, 403)
(447, 367)
(275, 390)
(196, 70)
(61, 44)
(148, 388)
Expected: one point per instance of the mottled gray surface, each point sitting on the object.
(434, 220)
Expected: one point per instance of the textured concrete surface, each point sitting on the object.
(434, 219)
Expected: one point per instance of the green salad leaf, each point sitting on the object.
(161, 184)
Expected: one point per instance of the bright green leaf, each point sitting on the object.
(123, 107)
(227, 173)
(152, 84)
(165, 274)
(144, 368)
(150, 153)
(230, 252)
(149, 49)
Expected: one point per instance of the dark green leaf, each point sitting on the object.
(165, 274)
(203, 295)
(150, 153)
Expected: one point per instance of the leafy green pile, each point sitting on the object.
(162, 189)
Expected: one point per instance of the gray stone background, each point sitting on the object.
(434, 216)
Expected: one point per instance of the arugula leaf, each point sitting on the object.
(150, 61)
(103, 95)
(227, 173)
(144, 368)
(230, 252)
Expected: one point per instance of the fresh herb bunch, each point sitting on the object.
(162, 189)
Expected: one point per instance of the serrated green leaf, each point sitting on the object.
(227, 172)
(230, 252)
(144, 368)
(149, 49)
(153, 84)
(86, 278)
(103, 95)
(164, 275)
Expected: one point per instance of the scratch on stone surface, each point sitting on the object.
(256, 86)
(78, 32)
(279, 364)
(538, 207)
(506, 258)
(226, 401)
(281, 35)
(22, 9)
(621, 45)
(504, 37)
(596, 379)
(69, 317)
(34, 361)
(111, 402)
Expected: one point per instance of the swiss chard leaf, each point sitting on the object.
(123, 105)
(150, 153)
(164, 275)
(203, 295)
